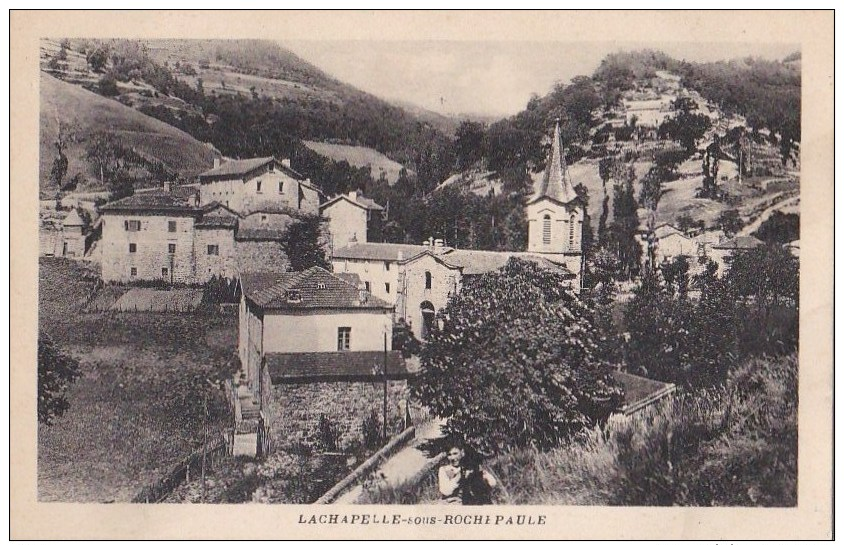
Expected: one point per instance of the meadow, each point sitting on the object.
(139, 405)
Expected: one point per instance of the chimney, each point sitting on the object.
(168, 186)
(216, 162)
(353, 195)
(363, 295)
(426, 243)
(400, 256)
(285, 162)
(439, 246)
(353, 240)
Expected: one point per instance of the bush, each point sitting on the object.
(327, 434)
(371, 431)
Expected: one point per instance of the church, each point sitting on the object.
(420, 278)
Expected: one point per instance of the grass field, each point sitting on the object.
(138, 406)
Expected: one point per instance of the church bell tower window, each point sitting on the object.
(546, 230)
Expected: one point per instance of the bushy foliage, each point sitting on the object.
(779, 228)
(302, 242)
(513, 363)
(56, 372)
(751, 310)
(735, 445)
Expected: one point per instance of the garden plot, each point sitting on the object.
(153, 300)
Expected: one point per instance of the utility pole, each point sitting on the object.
(385, 385)
(204, 442)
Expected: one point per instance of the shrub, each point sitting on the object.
(371, 431)
(327, 434)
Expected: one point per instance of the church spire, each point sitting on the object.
(556, 184)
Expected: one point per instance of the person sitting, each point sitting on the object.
(449, 476)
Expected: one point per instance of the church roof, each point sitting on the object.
(555, 184)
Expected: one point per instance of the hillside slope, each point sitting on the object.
(360, 157)
(82, 114)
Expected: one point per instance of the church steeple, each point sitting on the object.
(556, 184)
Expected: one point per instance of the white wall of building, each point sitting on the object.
(316, 331)
(345, 220)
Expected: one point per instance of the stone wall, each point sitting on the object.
(293, 411)
(257, 256)
(224, 263)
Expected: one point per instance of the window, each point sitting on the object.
(263, 219)
(546, 229)
(293, 296)
(272, 167)
(171, 248)
(133, 271)
(171, 226)
(320, 285)
(572, 223)
(259, 186)
(132, 225)
(213, 249)
(428, 280)
(387, 287)
(366, 284)
(133, 247)
(344, 338)
(164, 272)
(387, 266)
(281, 187)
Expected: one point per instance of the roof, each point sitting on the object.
(237, 168)
(217, 222)
(555, 184)
(639, 392)
(666, 229)
(346, 365)
(178, 199)
(378, 251)
(739, 243)
(480, 262)
(316, 287)
(358, 200)
(73, 219)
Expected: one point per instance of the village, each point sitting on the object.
(309, 340)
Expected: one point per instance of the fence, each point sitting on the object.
(182, 471)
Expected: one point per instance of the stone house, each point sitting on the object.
(349, 218)
(313, 343)
(723, 253)
(170, 235)
(247, 185)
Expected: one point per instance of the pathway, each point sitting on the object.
(751, 227)
(404, 464)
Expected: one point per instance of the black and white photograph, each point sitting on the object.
(424, 272)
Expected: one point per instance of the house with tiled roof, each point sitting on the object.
(247, 184)
(317, 335)
(349, 218)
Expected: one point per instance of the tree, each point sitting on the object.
(112, 161)
(623, 231)
(56, 372)
(779, 228)
(469, 143)
(97, 59)
(514, 362)
(59, 168)
(730, 222)
(107, 86)
(302, 242)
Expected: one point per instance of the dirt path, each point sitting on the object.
(404, 464)
(751, 227)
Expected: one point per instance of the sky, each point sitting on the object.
(486, 78)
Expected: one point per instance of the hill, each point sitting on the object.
(359, 157)
(249, 98)
(82, 115)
